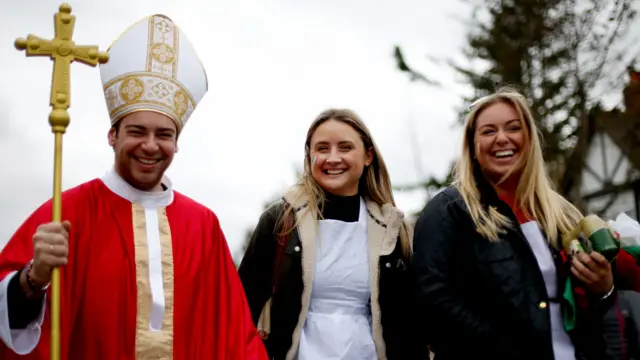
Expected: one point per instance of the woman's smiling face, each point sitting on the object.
(338, 157)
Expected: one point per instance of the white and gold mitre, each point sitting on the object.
(153, 66)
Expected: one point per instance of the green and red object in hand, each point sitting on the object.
(592, 234)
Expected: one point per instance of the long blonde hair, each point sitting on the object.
(534, 193)
(375, 183)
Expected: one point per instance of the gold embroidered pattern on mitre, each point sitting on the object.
(157, 87)
(162, 51)
(131, 89)
(180, 103)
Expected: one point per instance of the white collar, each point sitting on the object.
(118, 185)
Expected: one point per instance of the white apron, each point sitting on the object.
(338, 324)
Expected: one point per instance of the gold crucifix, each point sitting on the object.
(63, 51)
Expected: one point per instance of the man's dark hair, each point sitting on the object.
(116, 127)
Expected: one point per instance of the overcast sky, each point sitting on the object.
(272, 67)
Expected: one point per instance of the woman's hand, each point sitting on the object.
(594, 271)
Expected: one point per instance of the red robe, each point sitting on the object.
(106, 287)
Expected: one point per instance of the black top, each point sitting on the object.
(343, 208)
(22, 310)
(489, 295)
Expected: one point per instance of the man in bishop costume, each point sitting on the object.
(147, 273)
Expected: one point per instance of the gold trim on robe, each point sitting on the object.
(152, 344)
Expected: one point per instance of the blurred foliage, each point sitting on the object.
(265, 205)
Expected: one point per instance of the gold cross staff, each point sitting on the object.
(63, 51)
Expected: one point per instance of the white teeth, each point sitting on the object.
(334, 172)
(504, 153)
(147, 161)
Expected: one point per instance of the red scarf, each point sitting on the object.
(510, 200)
